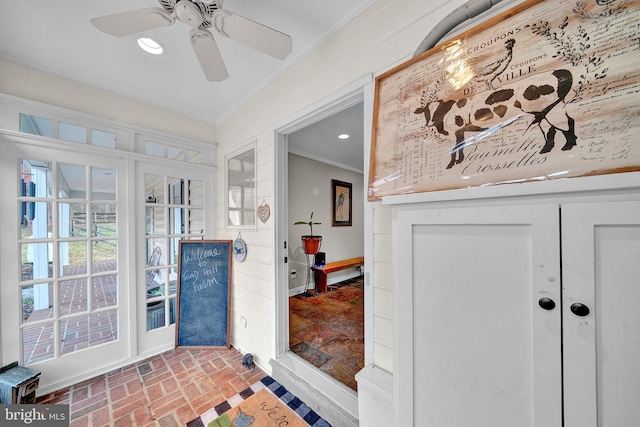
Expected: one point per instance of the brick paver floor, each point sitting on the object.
(166, 390)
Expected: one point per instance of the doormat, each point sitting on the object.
(264, 404)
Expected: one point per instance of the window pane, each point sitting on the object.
(154, 186)
(36, 125)
(155, 315)
(175, 191)
(35, 178)
(155, 252)
(73, 296)
(196, 193)
(175, 153)
(196, 221)
(72, 133)
(72, 181)
(103, 139)
(29, 311)
(35, 261)
(104, 256)
(155, 220)
(194, 157)
(73, 258)
(241, 177)
(172, 310)
(88, 331)
(73, 220)
(37, 343)
(35, 219)
(103, 219)
(153, 149)
(173, 280)
(174, 242)
(103, 184)
(105, 291)
(176, 220)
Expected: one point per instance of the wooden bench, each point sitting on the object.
(321, 272)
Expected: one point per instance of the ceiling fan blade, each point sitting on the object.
(252, 34)
(208, 54)
(128, 23)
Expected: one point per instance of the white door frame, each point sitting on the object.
(331, 391)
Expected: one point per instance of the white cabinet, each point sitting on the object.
(601, 269)
(485, 333)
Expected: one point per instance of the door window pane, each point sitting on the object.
(36, 259)
(72, 219)
(29, 311)
(88, 331)
(37, 343)
(73, 258)
(104, 256)
(35, 219)
(73, 296)
(155, 315)
(72, 181)
(103, 184)
(105, 291)
(155, 220)
(103, 219)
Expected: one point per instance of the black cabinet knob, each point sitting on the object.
(579, 309)
(547, 303)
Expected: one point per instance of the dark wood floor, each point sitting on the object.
(327, 330)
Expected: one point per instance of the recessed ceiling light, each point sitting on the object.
(343, 136)
(150, 45)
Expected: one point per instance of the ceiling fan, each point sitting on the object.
(201, 15)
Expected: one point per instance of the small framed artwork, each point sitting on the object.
(341, 203)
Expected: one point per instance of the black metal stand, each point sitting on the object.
(308, 285)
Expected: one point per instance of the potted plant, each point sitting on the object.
(310, 243)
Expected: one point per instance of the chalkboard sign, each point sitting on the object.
(204, 296)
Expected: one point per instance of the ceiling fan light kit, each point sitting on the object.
(200, 15)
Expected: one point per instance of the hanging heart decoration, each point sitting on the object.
(264, 211)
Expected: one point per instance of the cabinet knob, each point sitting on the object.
(579, 309)
(547, 303)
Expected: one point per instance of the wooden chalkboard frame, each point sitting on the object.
(204, 251)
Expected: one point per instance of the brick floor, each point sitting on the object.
(165, 390)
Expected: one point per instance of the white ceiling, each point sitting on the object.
(57, 37)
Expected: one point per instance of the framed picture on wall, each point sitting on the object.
(340, 203)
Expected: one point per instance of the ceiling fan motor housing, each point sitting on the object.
(195, 13)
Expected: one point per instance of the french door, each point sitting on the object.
(171, 206)
(64, 250)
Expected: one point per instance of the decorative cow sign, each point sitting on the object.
(547, 90)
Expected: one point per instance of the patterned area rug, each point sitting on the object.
(259, 406)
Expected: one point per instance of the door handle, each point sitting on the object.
(547, 303)
(579, 309)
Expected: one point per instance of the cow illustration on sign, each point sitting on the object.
(483, 115)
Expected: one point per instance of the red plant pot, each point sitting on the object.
(311, 244)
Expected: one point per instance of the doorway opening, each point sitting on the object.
(296, 204)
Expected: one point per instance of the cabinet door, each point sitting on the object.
(601, 271)
(474, 346)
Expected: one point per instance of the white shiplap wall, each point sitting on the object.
(381, 37)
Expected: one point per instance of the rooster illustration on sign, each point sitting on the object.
(491, 71)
